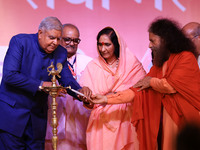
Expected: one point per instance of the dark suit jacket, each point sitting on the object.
(25, 66)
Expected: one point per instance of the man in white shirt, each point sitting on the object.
(72, 116)
(192, 30)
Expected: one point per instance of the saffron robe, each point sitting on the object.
(183, 74)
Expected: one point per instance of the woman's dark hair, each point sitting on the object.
(113, 37)
(174, 38)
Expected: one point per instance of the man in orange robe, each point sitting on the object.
(177, 108)
(172, 87)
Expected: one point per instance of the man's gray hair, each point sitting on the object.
(50, 23)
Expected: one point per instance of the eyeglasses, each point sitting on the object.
(69, 40)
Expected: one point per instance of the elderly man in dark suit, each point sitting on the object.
(23, 106)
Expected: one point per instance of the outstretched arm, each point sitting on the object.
(125, 96)
(160, 85)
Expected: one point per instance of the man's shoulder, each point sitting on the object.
(83, 60)
(23, 39)
(84, 57)
(24, 36)
(185, 57)
(183, 54)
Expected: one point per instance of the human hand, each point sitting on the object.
(86, 98)
(86, 91)
(143, 83)
(99, 99)
(88, 105)
(62, 92)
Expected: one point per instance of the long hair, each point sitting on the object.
(113, 37)
(174, 39)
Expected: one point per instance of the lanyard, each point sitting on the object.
(71, 68)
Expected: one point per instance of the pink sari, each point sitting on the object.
(110, 126)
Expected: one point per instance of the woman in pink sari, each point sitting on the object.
(115, 69)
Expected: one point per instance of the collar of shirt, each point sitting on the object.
(72, 60)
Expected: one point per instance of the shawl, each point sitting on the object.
(100, 79)
(183, 75)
